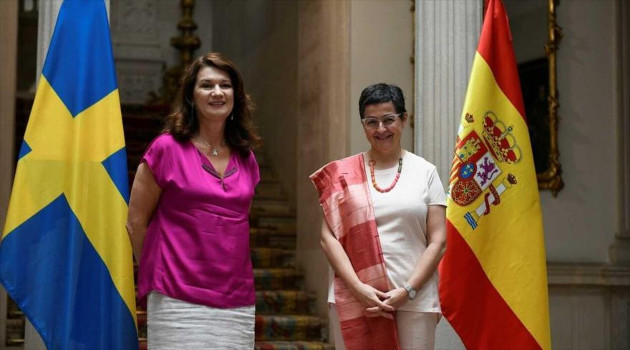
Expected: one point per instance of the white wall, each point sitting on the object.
(580, 223)
(381, 45)
(584, 212)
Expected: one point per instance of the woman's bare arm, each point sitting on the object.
(145, 194)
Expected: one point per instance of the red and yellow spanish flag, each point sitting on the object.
(493, 278)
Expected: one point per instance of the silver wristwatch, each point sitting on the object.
(410, 291)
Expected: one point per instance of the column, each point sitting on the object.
(322, 127)
(446, 40)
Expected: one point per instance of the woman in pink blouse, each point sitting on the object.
(188, 215)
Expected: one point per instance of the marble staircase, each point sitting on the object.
(284, 309)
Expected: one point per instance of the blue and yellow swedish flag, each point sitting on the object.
(65, 257)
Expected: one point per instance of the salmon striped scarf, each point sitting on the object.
(345, 199)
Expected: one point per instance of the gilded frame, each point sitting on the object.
(551, 178)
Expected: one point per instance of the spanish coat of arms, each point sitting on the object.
(477, 166)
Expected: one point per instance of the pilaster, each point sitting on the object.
(619, 251)
(322, 127)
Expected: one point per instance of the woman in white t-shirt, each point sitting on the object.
(409, 204)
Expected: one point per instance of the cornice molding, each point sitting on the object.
(584, 275)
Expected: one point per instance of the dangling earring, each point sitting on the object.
(231, 117)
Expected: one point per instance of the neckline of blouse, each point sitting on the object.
(207, 165)
(366, 162)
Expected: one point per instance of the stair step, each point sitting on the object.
(292, 345)
(284, 302)
(274, 279)
(266, 173)
(269, 231)
(272, 257)
(269, 189)
(261, 158)
(280, 224)
(270, 237)
(141, 316)
(279, 241)
(290, 327)
(271, 208)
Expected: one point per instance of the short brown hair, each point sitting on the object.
(182, 122)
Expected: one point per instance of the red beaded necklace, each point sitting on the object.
(390, 187)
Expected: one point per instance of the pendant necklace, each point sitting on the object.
(215, 151)
(393, 184)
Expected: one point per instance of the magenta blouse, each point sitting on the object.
(197, 244)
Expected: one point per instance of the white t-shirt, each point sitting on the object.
(401, 220)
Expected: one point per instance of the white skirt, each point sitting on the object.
(176, 324)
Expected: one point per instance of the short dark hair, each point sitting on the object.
(182, 123)
(380, 93)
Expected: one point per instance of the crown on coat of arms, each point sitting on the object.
(501, 140)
